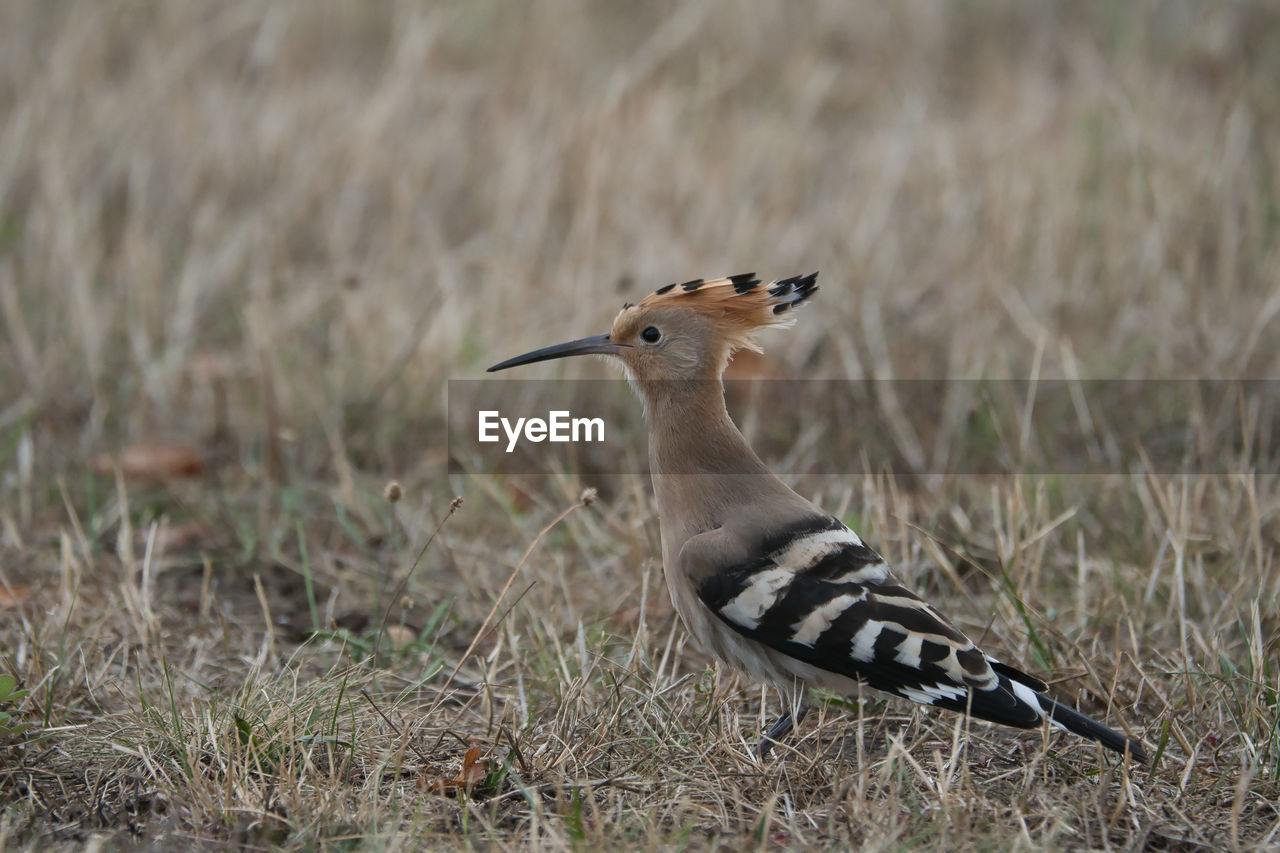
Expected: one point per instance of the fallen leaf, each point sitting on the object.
(401, 636)
(185, 535)
(13, 596)
(151, 462)
(174, 537)
(473, 772)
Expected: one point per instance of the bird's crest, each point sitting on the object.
(740, 304)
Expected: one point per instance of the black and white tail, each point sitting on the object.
(1077, 723)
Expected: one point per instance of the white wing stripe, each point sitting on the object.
(875, 573)
(863, 646)
(1026, 695)
(803, 553)
(927, 694)
(811, 627)
(909, 651)
(749, 605)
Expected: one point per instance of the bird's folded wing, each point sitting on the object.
(820, 595)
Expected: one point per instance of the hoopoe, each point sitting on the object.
(763, 578)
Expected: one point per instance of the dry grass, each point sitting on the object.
(271, 232)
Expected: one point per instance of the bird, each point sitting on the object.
(762, 578)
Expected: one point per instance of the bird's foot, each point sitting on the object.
(780, 730)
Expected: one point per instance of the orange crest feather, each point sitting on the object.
(740, 304)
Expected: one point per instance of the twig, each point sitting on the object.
(404, 582)
(364, 691)
(588, 498)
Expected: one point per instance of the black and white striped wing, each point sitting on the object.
(823, 597)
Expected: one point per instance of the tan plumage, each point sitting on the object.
(761, 577)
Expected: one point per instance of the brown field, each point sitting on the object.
(266, 234)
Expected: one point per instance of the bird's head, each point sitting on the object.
(688, 331)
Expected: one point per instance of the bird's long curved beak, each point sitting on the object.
(598, 344)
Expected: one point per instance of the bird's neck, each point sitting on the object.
(690, 431)
(701, 464)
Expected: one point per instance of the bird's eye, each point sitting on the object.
(651, 335)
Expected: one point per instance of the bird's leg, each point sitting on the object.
(796, 707)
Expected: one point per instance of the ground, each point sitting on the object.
(244, 246)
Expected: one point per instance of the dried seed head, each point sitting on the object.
(393, 491)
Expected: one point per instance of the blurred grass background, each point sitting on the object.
(271, 232)
(366, 199)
